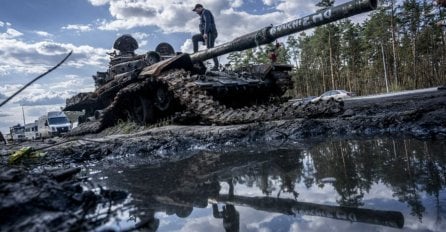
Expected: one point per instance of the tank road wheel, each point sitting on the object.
(141, 110)
(162, 98)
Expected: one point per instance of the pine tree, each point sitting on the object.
(235, 59)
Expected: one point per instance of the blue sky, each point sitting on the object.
(37, 34)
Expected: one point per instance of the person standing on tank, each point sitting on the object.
(208, 31)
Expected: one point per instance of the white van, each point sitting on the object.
(31, 131)
(53, 124)
(17, 133)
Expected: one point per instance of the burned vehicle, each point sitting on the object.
(164, 84)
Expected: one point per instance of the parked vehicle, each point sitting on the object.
(31, 131)
(17, 132)
(54, 123)
(302, 100)
(42, 127)
(334, 94)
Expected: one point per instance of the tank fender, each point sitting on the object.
(181, 61)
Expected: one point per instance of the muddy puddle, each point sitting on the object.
(379, 184)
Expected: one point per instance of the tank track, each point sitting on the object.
(199, 103)
(202, 104)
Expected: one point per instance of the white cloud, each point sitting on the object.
(237, 3)
(141, 38)
(172, 16)
(38, 94)
(98, 2)
(41, 100)
(140, 35)
(70, 85)
(43, 33)
(18, 56)
(187, 46)
(202, 224)
(50, 48)
(270, 2)
(21, 57)
(78, 27)
(5, 24)
(296, 9)
(10, 33)
(9, 89)
(143, 43)
(176, 16)
(168, 15)
(14, 33)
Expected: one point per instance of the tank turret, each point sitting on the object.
(164, 84)
(126, 44)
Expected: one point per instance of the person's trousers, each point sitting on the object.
(209, 43)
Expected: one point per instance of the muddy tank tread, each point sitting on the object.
(198, 101)
(201, 105)
(86, 128)
(115, 110)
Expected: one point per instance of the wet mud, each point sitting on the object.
(34, 198)
(53, 200)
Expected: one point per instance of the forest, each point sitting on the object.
(401, 46)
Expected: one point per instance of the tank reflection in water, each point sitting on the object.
(341, 185)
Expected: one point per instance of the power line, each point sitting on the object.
(35, 79)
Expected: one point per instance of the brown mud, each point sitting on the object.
(50, 201)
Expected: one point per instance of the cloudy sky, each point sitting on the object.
(36, 34)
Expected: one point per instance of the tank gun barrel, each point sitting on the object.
(271, 33)
(288, 206)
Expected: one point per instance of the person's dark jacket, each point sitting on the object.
(207, 23)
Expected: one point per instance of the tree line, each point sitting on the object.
(413, 170)
(399, 47)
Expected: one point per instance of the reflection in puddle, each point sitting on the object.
(349, 185)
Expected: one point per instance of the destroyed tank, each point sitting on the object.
(164, 84)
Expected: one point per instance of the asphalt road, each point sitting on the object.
(402, 96)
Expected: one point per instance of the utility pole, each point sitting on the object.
(23, 114)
